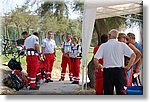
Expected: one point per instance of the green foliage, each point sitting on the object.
(50, 16)
(21, 18)
(58, 8)
(78, 5)
(45, 7)
(74, 26)
(115, 23)
(55, 17)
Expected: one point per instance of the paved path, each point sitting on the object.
(57, 88)
(54, 88)
(51, 88)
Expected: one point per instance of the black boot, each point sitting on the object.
(75, 82)
(48, 80)
(71, 79)
(61, 79)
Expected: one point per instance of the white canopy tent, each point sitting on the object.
(97, 9)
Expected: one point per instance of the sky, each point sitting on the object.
(7, 5)
(136, 31)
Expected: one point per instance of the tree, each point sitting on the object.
(30, 21)
(74, 26)
(55, 16)
(22, 17)
(102, 26)
(5, 22)
(58, 8)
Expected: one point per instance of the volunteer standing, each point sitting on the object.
(75, 57)
(48, 52)
(32, 51)
(66, 49)
(113, 53)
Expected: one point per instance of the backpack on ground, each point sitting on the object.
(14, 81)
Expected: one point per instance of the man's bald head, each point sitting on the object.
(114, 33)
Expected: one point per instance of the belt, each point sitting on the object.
(31, 49)
(29, 53)
(112, 67)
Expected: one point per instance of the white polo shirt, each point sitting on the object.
(49, 46)
(31, 41)
(75, 49)
(66, 46)
(113, 53)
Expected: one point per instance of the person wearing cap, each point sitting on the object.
(32, 51)
(136, 67)
(66, 49)
(48, 53)
(75, 60)
(113, 53)
(123, 38)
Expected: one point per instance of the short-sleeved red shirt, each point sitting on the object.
(94, 51)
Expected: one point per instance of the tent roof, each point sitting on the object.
(118, 10)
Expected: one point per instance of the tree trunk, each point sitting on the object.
(91, 74)
(100, 28)
(59, 37)
(18, 31)
(6, 32)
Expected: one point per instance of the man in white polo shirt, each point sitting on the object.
(32, 51)
(113, 53)
(48, 52)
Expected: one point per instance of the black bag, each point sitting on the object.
(14, 81)
(17, 82)
(14, 65)
(80, 55)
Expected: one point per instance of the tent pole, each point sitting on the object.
(83, 75)
(86, 74)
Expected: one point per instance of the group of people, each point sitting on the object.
(117, 59)
(40, 61)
